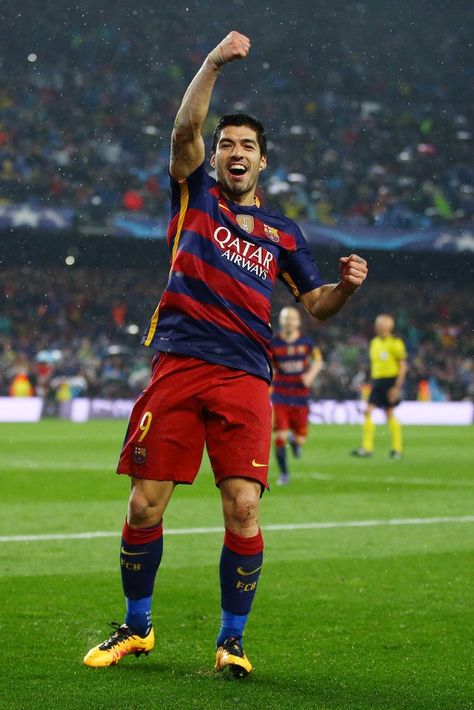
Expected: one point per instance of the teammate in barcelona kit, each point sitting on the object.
(388, 370)
(296, 364)
(212, 369)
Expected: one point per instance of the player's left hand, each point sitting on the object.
(352, 272)
(306, 379)
(393, 394)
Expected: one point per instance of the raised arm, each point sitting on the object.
(327, 300)
(187, 145)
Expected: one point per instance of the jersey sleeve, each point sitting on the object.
(189, 188)
(298, 270)
(183, 194)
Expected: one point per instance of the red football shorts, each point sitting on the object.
(189, 403)
(290, 418)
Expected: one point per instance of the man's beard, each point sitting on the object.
(237, 189)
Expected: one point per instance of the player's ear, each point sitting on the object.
(212, 160)
(263, 163)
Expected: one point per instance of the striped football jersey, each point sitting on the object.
(225, 260)
(290, 361)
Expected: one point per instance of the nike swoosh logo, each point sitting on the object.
(258, 465)
(245, 573)
(133, 554)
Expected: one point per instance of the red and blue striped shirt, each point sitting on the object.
(225, 259)
(290, 361)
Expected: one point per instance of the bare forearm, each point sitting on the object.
(187, 144)
(195, 104)
(316, 369)
(402, 373)
(327, 300)
(310, 376)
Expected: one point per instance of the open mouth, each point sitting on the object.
(237, 169)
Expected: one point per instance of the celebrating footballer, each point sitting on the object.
(210, 335)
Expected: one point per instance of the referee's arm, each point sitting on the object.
(393, 394)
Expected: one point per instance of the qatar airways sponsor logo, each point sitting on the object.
(249, 256)
(292, 367)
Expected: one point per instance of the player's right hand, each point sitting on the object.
(233, 46)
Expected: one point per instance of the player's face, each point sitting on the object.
(238, 162)
(289, 321)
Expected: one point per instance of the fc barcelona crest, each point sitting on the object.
(246, 222)
(139, 454)
(271, 233)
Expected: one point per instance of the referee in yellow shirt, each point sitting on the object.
(388, 369)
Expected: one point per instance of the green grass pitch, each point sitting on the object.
(352, 612)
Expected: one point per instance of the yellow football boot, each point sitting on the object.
(120, 644)
(230, 654)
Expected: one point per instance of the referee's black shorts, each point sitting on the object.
(378, 395)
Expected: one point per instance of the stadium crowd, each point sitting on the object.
(369, 120)
(369, 114)
(67, 332)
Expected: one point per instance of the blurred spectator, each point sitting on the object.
(70, 339)
(369, 120)
(21, 386)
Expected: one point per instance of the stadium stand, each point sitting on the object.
(361, 131)
(361, 127)
(75, 330)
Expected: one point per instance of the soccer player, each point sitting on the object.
(388, 370)
(210, 380)
(296, 364)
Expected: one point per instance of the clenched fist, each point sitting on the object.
(233, 46)
(352, 272)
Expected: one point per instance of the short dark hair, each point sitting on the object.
(240, 119)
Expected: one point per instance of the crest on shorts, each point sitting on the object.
(246, 221)
(271, 233)
(139, 454)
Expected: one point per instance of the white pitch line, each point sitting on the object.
(270, 528)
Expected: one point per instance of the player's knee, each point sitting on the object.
(246, 509)
(242, 514)
(138, 510)
(141, 510)
(280, 440)
(148, 501)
